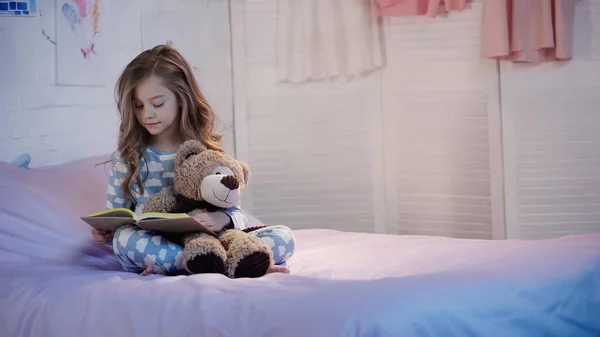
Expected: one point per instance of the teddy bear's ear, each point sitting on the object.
(188, 148)
(191, 147)
(246, 171)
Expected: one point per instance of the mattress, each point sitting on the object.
(56, 282)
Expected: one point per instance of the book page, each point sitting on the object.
(182, 225)
(158, 215)
(115, 212)
(107, 223)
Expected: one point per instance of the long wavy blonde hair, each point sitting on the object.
(196, 120)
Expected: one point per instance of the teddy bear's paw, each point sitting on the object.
(209, 263)
(248, 256)
(203, 253)
(254, 265)
(162, 201)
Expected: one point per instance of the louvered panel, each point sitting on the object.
(260, 37)
(556, 152)
(552, 144)
(309, 144)
(439, 157)
(437, 134)
(452, 37)
(588, 30)
(307, 173)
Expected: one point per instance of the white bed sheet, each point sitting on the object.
(56, 282)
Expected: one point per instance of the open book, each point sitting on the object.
(112, 219)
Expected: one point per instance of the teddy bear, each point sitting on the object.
(208, 181)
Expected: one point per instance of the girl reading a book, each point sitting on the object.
(160, 106)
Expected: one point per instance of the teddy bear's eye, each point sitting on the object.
(222, 171)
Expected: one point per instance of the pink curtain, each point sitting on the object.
(417, 7)
(528, 30)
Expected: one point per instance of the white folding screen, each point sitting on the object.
(309, 146)
(438, 138)
(440, 142)
(551, 118)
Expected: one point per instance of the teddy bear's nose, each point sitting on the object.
(230, 182)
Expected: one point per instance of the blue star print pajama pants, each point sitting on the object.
(137, 248)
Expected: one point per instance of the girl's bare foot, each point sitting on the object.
(278, 269)
(147, 272)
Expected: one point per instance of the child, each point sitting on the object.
(161, 106)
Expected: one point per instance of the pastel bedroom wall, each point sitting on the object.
(57, 123)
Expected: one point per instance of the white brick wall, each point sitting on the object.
(57, 124)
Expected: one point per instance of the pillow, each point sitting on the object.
(40, 209)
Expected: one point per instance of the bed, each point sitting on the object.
(56, 282)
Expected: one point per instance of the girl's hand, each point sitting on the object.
(102, 236)
(215, 221)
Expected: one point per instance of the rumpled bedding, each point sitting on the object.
(56, 281)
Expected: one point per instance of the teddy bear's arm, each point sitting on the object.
(162, 201)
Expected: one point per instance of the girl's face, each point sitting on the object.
(156, 107)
